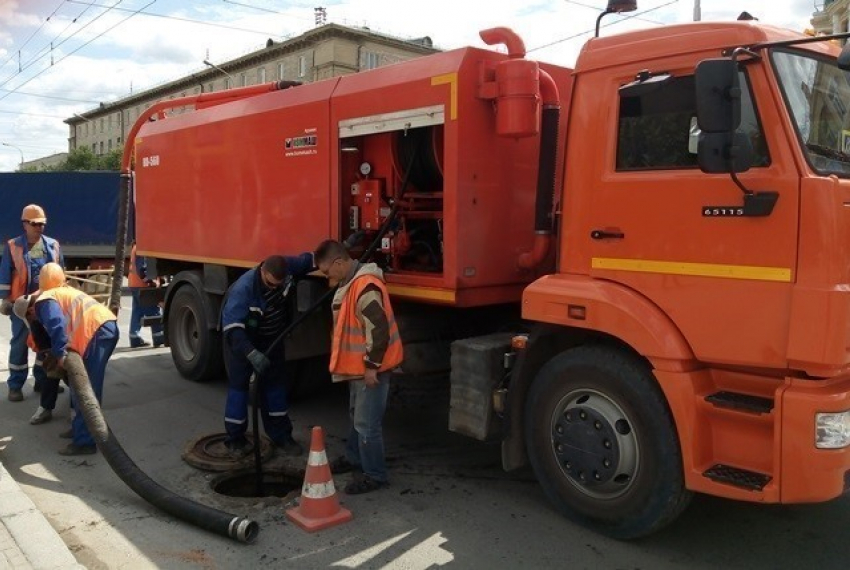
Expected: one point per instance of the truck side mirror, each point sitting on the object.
(718, 96)
(724, 152)
(844, 58)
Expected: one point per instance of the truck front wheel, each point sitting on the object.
(195, 346)
(603, 444)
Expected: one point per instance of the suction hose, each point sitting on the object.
(207, 518)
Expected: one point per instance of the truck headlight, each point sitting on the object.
(832, 430)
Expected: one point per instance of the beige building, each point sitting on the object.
(327, 51)
(832, 18)
(45, 161)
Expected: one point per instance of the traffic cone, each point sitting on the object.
(319, 506)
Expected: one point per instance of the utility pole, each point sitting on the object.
(697, 11)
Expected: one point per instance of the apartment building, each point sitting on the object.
(832, 18)
(327, 51)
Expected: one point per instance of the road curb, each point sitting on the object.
(27, 540)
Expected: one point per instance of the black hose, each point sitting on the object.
(546, 170)
(258, 459)
(120, 243)
(207, 518)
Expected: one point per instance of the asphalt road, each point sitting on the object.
(449, 504)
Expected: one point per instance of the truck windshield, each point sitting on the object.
(818, 96)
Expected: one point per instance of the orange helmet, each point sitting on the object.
(34, 213)
(51, 276)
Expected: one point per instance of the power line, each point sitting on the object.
(190, 21)
(32, 114)
(12, 52)
(597, 9)
(51, 97)
(266, 10)
(550, 44)
(78, 48)
(38, 55)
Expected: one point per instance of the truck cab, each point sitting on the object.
(694, 336)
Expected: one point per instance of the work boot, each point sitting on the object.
(237, 450)
(67, 434)
(72, 449)
(342, 465)
(41, 416)
(364, 484)
(15, 395)
(138, 343)
(291, 448)
(158, 340)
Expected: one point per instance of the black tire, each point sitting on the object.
(603, 444)
(195, 347)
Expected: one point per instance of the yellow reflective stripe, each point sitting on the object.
(451, 79)
(748, 272)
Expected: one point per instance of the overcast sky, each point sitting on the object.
(60, 57)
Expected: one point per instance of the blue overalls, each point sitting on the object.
(95, 359)
(241, 322)
(18, 350)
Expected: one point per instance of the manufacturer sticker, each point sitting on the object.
(302, 145)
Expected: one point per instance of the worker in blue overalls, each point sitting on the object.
(23, 258)
(253, 316)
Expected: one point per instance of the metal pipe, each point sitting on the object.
(548, 159)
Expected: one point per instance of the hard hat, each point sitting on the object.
(51, 276)
(20, 307)
(34, 213)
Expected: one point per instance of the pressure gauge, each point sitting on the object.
(365, 169)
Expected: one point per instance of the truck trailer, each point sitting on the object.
(641, 263)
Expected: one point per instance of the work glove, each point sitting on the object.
(5, 307)
(259, 361)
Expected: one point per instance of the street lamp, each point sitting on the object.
(19, 150)
(214, 66)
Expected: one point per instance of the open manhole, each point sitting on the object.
(209, 453)
(244, 484)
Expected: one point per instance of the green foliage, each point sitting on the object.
(84, 159)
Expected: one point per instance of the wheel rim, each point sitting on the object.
(187, 338)
(594, 444)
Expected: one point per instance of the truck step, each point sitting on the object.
(738, 477)
(741, 402)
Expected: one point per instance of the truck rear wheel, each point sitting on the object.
(603, 444)
(195, 347)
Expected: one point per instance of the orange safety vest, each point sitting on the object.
(19, 280)
(349, 340)
(83, 315)
(134, 279)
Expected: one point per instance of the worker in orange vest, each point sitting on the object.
(366, 347)
(74, 322)
(23, 258)
(138, 280)
(50, 277)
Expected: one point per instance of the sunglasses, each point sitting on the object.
(35, 224)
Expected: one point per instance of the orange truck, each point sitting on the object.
(636, 270)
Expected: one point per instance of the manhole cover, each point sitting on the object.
(244, 484)
(209, 453)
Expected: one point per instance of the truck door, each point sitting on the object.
(659, 225)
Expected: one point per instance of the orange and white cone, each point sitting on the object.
(319, 507)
